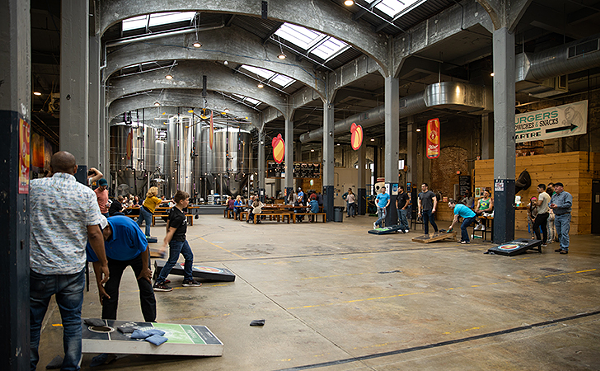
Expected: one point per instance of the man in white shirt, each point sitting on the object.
(64, 215)
(541, 220)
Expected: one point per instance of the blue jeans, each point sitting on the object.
(176, 248)
(428, 218)
(381, 213)
(145, 216)
(402, 221)
(69, 297)
(464, 234)
(352, 209)
(563, 226)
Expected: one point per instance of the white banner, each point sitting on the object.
(556, 122)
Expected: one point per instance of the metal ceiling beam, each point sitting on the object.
(231, 44)
(331, 20)
(188, 75)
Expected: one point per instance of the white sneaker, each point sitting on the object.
(482, 228)
(406, 230)
(374, 225)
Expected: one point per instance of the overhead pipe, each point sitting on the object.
(455, 95)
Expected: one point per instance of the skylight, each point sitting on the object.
(270, 76)
(156, 19)
(247, 99)
(395, 7)
(314, 42)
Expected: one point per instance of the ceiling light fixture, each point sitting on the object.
(282, 54)
(260, 85)
(226, 63)
(418, 129)
(492, 74)
(37, 93)
(226, 110)
(348, 2)
(197, 43)
(169, 77)
(156, 104)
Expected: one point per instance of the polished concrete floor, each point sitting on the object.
(337, 298)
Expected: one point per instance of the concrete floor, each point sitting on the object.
(337, 298)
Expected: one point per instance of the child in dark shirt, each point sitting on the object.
(175, 238)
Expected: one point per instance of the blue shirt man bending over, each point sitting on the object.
(468, 216)
(126, 245)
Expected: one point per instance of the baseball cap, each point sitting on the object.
(558, 184)
(102, 182)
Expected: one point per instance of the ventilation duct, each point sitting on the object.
(543, 74)
(453, 95)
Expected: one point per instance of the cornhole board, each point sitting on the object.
(438, 236)
(516, 247)
(184, 340)
(386, 230)
(198, 271)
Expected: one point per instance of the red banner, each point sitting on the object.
(24, 156)
(433, 138)
(278, 149)
(357, 136)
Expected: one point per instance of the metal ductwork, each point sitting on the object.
(455, 95)
(543, 74)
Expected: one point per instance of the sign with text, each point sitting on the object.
(433, 138)
(555, 122)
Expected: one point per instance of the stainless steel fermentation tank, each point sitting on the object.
(134, 154)
(225, 168)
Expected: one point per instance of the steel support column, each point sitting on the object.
(261, 165)
(289, 155)
(15, 105)
(487, 137)
(411, 152)
(504, 131)
(328, 159)
(361, 190)
(74, 82)
(94, 107)
(392, 143)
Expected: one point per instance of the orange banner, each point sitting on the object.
(357, 136)
(433, 138)
(24, 156)
(212, 131)
(278, 149)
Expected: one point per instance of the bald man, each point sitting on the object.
(64, 216)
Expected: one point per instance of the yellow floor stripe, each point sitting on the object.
(224, 249)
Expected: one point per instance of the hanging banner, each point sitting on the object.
(278, 149)
(357, 136)
(212, 131)
(129, 144)
(555, 122)
(24, 156)
(433, 138)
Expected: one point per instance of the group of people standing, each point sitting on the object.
(549, 212)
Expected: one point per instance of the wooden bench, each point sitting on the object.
(189, 217)
(280, 215)
(312, 217)
(227, 213)
(244, 215)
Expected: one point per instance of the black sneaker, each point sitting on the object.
(564, 252)
(558, 250)
(161, 287)
(191, 283)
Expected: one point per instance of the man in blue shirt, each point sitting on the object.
(382, 201)
(468, 216)
(561, 203)
(125, 245)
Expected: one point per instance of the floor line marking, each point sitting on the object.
(222, 248)
(440, 344)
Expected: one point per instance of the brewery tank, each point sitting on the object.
(223, 169)
(178, 155)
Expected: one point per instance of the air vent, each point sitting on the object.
(583, 48)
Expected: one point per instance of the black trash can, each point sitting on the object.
(338, 214)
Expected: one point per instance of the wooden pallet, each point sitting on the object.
(433, 237)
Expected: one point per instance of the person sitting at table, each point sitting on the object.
(485, 205)
(314, 205)
(237, 206)
(229, 205)
(256, 209)
(136, 201)
(299, 202)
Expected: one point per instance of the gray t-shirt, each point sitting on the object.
(427, 200)
(543, 208)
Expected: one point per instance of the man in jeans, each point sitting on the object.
(468, 216)
(402, 203)
(382, 201)
(427, 205)
(64, 216)
(541, 219)
(561, 205)
(175, 238)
